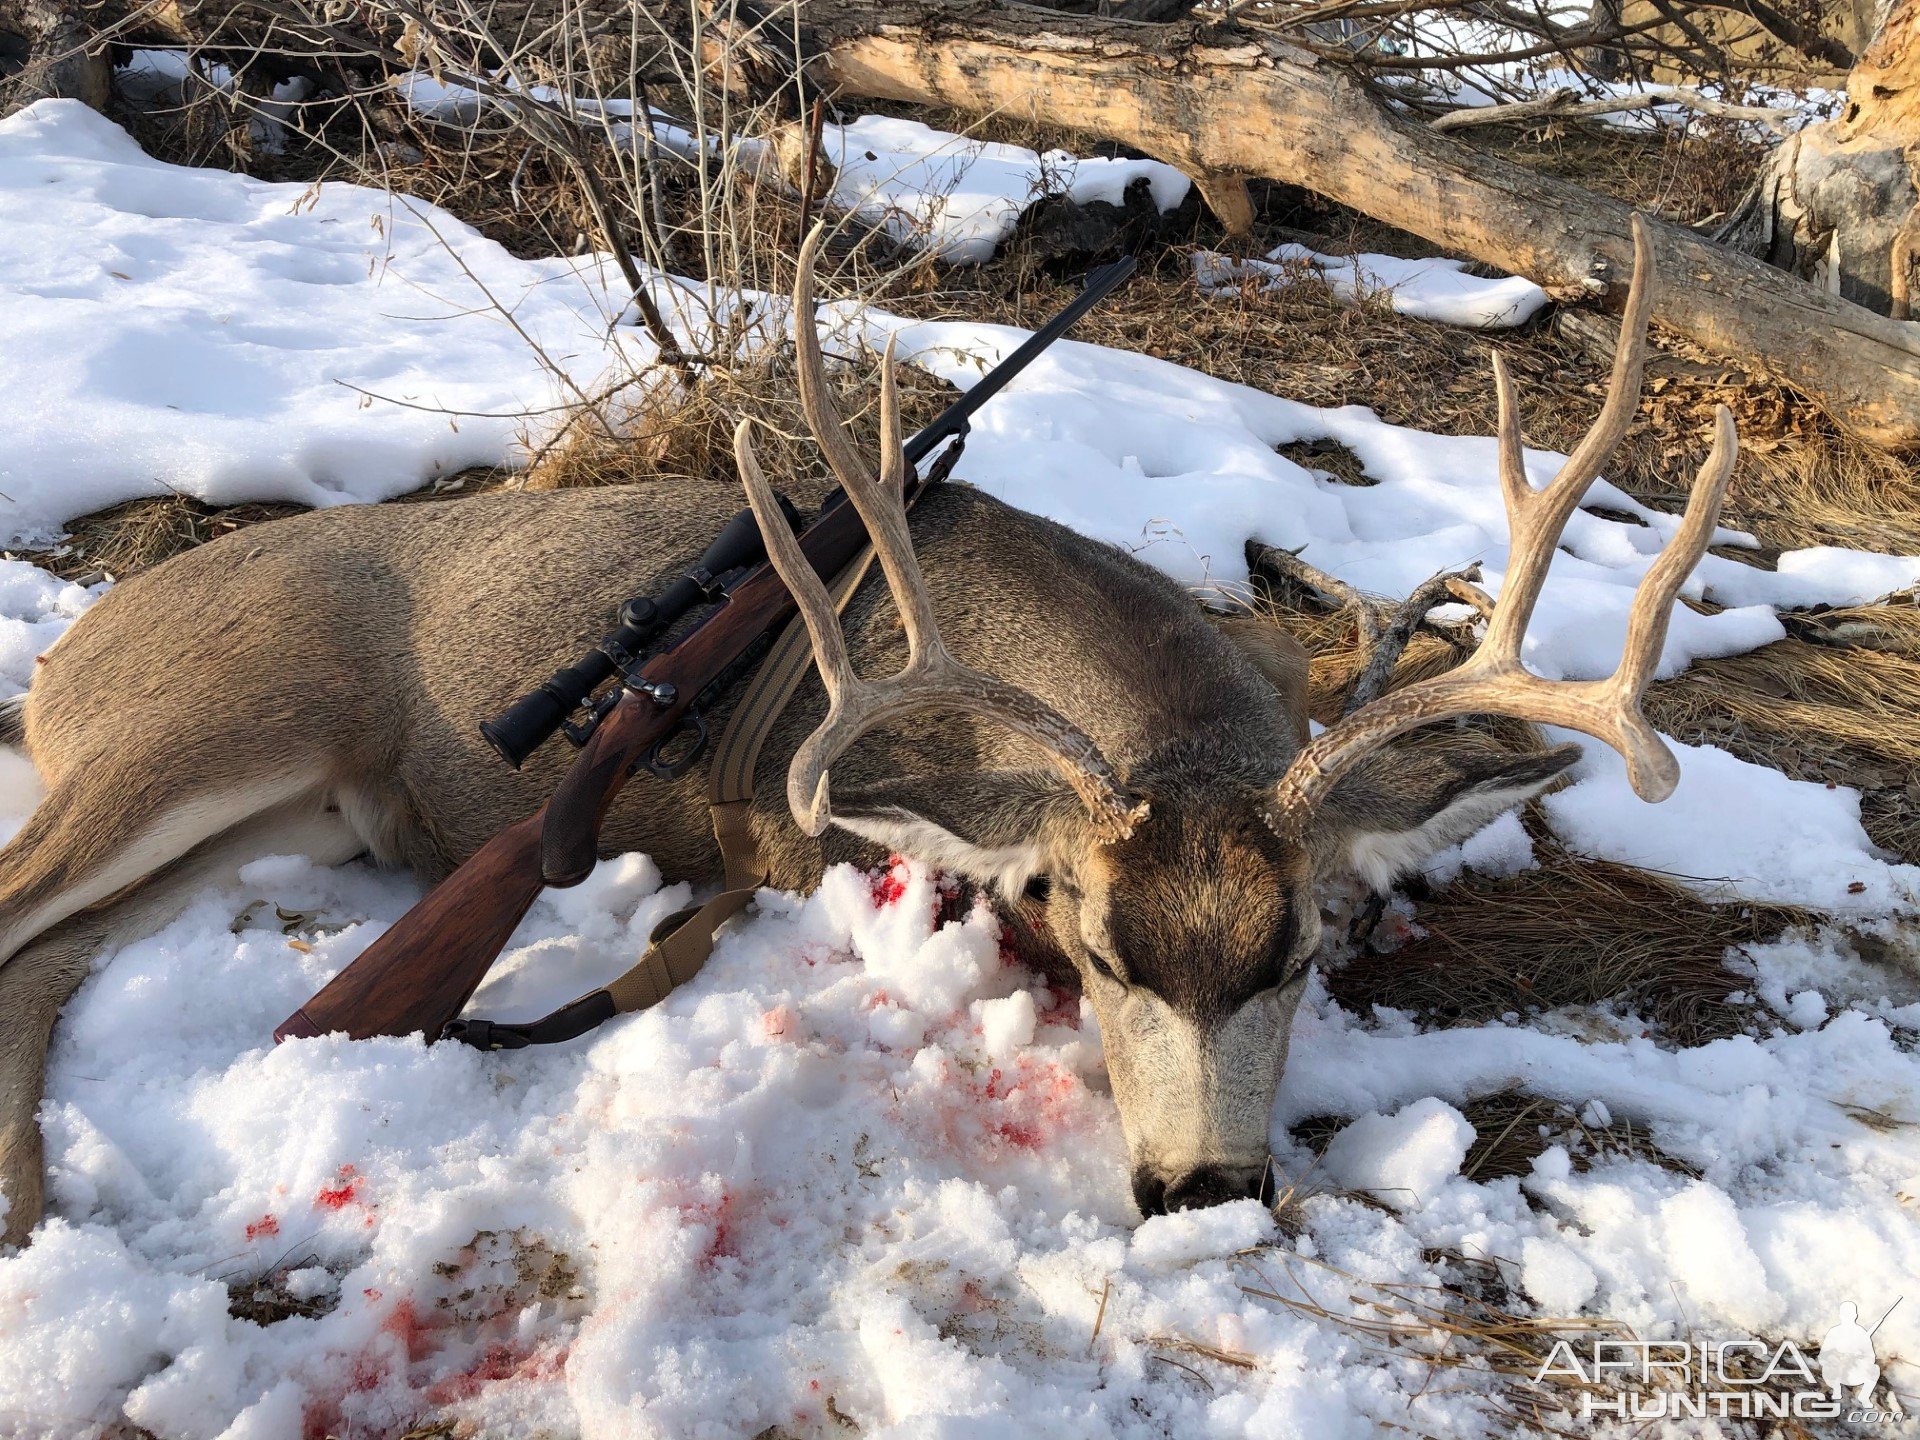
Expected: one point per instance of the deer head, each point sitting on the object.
(1184, 890)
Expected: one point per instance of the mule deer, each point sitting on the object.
(313, 685)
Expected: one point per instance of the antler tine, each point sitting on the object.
(1535, 519)
(932, 678)
(1493, 681)
(816, 397)
(793, 567)
(885, 516)
(1660, 586)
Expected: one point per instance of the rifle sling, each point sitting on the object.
(680, 944)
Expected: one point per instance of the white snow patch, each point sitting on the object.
(238, 340)
(1734, 830)
(1431, 289)
(962, 197)
(955, 195)
(1402, 1159)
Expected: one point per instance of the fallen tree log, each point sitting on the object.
(1223, 103)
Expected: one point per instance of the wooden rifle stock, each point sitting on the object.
(393, 988)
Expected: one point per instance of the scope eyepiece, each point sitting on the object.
(529, 722)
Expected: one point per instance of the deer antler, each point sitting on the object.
(932, 678)
(1494, 681)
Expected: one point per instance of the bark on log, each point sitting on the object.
(1216, 100)
(1840, 202)
(45, 54)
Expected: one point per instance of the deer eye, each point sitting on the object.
(1102, 966)
(1039, 890)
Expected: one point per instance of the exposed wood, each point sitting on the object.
(1840, 200)
(1214, 99)
(1226, 196)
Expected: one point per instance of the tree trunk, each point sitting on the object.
(1219, 102)
(1838, 202)
(44, 55)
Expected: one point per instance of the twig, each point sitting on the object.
(1408, 617)
(1565, 103)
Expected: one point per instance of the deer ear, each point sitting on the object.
(998, 827)
(1404, 802)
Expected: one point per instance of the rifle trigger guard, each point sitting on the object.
(672, 769)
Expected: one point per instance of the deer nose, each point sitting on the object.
(1195, 1190)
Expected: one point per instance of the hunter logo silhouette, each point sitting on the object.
(1847, 1361)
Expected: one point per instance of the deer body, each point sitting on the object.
(1117, 769)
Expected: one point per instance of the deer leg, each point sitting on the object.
(39, 980)
(34, 986)
(96, 834)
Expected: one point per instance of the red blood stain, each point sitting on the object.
(779, 1023)
(498, 1364)
(1027, 1108)
(1064, 1009)
(266, 1225)
(347, 1192)
(1004, 948)
(405, 1325)
(724, 1243)
(321, 1420)
(406, 1331)
(889, 885)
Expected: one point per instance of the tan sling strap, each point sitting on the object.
(768, 693)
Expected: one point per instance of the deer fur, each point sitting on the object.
(315, 684)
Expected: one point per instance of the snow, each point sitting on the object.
(1401, 1158)
(1499, 81)
(1810, 850)
(861, 1166)
(962, 197)
(1432, 289)
(233, 339)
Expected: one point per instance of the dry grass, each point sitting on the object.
(1470, 1333)
(692, 436)
(123, 540)
(1835, 714)
(1690, 176)
(1569, 932)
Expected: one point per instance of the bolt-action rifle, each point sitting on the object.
(420, 973)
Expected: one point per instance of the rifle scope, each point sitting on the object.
(529, 722)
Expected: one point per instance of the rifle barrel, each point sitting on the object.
(1100, 284)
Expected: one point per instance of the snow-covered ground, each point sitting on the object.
(861, 1167)
(1499, 80)
(1430, 289)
